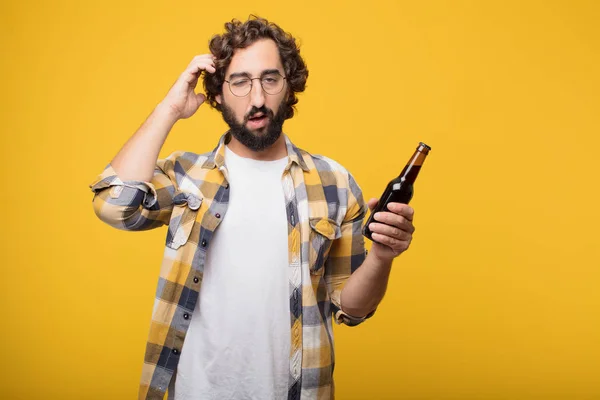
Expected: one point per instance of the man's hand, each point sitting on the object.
(391, 237)
(393, 232)
(182, 101)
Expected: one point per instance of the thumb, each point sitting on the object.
(201, 98)
(372, 203)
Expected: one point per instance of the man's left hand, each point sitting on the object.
(393, 232)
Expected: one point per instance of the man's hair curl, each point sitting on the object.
(240, 35)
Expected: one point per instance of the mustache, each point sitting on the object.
(255, 110)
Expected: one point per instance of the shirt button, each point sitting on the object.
(186, 316)
(195, 279)
(175, 351)
(203, 242)
(194, 202)
(218, 215)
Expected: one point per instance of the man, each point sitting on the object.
(264, 243)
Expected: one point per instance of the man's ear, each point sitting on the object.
(218, 98)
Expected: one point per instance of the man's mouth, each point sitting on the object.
(258, 120)
(257, 115)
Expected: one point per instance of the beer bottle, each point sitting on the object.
(400, 189)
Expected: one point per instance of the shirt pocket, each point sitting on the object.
(183, 217)
(323, 231)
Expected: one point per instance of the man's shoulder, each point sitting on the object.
(323, 163)
(327, 166)
(339, 186)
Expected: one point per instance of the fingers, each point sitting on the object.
(402, 209)
(393, 228)
(203, 59)
(395, 220)
(205, 62)
(397, 246)
(390, 231)
(201, 97)
(372, 203)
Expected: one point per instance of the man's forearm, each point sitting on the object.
(137, 158)
(365, 288)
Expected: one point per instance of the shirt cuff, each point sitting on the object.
(109, 179)
(341, 317)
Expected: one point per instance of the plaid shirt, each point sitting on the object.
(190, 193)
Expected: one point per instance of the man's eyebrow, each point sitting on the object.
(239, 74)
(247, 74)
(270, 71)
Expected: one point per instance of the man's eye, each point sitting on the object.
(269, 80)
(241, 83)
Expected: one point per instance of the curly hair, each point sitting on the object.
(240, 35)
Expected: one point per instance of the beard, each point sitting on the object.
(261, 138)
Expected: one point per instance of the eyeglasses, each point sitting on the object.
(272, 83)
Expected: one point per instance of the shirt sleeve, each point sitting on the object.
(135, 205)
(347, 253)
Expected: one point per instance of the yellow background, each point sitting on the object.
(498, 297)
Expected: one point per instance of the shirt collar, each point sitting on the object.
(217, 157)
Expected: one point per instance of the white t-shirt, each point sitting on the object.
(238, 342)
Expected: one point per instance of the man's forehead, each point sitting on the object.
(260, 56)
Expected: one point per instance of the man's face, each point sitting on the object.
(256, 119)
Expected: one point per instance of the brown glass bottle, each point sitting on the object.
(400, 189)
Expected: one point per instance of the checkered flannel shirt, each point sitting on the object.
(190, 193)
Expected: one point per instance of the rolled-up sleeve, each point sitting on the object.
(347, 253)
(134, 205)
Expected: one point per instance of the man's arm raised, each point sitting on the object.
(134, 178)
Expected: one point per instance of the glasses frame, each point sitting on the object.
(261, 86)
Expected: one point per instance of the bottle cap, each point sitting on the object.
(423, 146)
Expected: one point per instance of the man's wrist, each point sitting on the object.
(379, 262)
(166, 114)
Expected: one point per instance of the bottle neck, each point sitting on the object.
(411, 170)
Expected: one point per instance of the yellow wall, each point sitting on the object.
(498, 297)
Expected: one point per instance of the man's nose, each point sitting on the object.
(257, 94)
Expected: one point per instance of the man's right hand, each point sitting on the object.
(182, 101)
